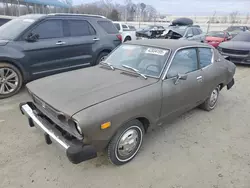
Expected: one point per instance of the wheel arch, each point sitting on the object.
(17, 65)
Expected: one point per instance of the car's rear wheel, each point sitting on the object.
(10, 80)
(126, 143)
(127, 39)
(101, 57)
(212, 100)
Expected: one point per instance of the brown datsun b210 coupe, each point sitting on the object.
(111, 106)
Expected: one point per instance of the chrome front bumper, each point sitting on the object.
(76, 151)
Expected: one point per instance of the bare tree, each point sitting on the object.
(233, 17)
(224, 19)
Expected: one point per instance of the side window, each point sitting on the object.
(124, 27)
(108, 27)
(206, 56)
(80, 28)
(49, 29)
(185, 61)
(196, 31)
(189, 32)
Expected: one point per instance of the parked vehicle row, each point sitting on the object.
(139, 86)
(34, 46)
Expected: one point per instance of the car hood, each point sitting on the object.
(3, 42)
(74, 91)
(214, 39)
(237, 45)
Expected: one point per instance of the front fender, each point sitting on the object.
(14, 57)
(144, 102)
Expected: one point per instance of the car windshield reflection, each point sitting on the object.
(147, 60)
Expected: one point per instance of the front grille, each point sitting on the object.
(45, 106)
(236, 52)
(52, 114)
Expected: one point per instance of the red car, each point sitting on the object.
(214, 38)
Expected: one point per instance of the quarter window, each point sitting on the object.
(80, 28)
(185, 61)
(108, 27)
(189, 32)
(49, 29)
(206, 56)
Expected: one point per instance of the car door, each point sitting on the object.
(48, 54)
(81, 40)
(181, 95)
(210, 74)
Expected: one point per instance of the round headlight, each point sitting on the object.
(78, 128)
(72, 123)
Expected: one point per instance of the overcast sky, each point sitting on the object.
(191, 7)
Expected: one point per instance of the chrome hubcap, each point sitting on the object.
(128, 143)
(214, 97)
(8, 80)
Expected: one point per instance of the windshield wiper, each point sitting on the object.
(108, 64)
(135, 70)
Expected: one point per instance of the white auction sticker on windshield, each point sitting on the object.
(156, 51)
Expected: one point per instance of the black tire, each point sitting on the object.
(18, 82)
(100, 57)
(127, 39)
(208, 105)
(134, 126)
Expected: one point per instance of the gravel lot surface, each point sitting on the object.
(198, 150)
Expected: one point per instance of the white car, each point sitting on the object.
(127, 33)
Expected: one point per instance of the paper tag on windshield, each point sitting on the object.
(156, 51)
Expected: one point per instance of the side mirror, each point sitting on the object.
(180, 77)
(32, 37)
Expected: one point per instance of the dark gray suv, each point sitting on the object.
(34, 46)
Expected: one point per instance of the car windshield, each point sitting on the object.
(233, 28)
(148, 27)
(244, 36)
(13, 28)
(216, 34)
(147, 60)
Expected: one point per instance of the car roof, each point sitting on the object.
(168, 43)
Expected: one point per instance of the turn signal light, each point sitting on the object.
(105, 125)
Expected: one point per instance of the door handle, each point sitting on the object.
(96, 39)
(60, 43)
(199, 78)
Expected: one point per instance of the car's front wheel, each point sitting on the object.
(10, 80)
(212, 100)
(126, 143)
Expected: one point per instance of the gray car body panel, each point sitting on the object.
(100, 95)
(236, 45)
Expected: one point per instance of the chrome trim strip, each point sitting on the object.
(46, 71)
(178, 49)
(29, 112)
